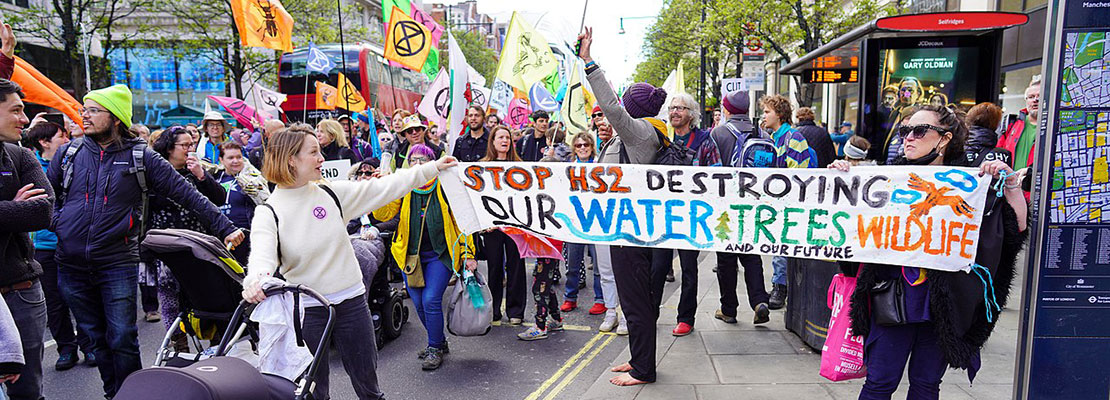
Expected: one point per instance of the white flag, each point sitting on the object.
(459, 81)
(266, 102)
(437, 99)
(502, 94)
(479, 96)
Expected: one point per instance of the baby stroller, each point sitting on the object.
(224, 377)
(210, 281)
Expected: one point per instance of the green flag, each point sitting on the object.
(387, 6)
(431, 65)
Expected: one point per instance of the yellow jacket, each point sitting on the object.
(460, 246)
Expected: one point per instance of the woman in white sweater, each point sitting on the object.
(303, 236)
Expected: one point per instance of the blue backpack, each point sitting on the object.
(752, 149)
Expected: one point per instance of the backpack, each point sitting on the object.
(751, 149)
(668, 153)
(137, 167)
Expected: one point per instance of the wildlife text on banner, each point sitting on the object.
(916, 216)
(406, 41)
(263, 23)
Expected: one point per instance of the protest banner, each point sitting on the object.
(922, 216)
(336, 170)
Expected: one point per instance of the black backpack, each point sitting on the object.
(668, 153)
(137, 167)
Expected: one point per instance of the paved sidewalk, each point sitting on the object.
(744, 361)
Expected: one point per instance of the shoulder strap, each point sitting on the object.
(334, 198)
(274, 212)
(138, 167)
(67, 167)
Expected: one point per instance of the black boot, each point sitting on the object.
(778, 297)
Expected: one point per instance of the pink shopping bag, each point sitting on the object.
(842, 355)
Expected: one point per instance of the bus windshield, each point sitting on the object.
(292, 72)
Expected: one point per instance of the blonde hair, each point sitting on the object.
(334, 130)
(282, 146)
(589, 139)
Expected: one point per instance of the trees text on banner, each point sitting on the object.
(460, 84)
(518, 112)
(335, 170)
(349, 97)
(501, 94)
(525, 56)
(922, 216)
(541, 99)
(263, 23)
(576, 112)
(437, 100)
(406, 41)
(326, 96)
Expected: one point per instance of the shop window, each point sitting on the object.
(1014, 82)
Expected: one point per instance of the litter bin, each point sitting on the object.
(807, 310)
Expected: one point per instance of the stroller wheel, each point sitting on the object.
(394, 315)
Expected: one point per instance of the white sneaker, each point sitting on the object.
(622, 325)
(610, 321)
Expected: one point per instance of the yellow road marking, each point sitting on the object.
(570, 377)
(546, 384)
(581, 328)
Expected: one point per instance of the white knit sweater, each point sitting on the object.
(315, 248)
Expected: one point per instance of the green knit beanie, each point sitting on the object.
(117, 99)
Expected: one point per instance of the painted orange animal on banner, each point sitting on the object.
(936, 197)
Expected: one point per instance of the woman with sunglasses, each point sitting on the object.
(585, 151)
(507, 279)
(430, 248)
(946, 319)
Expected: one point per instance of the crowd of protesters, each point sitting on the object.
(74, 212)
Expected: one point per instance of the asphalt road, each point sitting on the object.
(494, 366)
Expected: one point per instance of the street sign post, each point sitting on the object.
(1065, 330)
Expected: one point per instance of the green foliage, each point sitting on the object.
(788, 29)
(473, 47)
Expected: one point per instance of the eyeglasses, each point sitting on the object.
(90, 111)
(598, 115)
(185, 144)
(918, 131)
(364, 173)
(581, 145)
(672, 108)
(418, 160)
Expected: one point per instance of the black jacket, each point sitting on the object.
(19, 167)
(333, 152)
(98, 223)
(956, 305)
(819, 140)
(979, 139)
(469, 149)
(530, 147)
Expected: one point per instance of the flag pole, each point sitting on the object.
(342, 51)
(583, 23)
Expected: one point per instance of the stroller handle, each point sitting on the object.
(239, 317)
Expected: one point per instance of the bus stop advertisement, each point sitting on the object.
(1064, 342)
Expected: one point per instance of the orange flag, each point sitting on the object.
(326, 96)
(406, 41)
(39, 89)
(263, 23)
(350, 99)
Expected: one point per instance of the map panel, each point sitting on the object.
(1080, 190)
(1086, 70)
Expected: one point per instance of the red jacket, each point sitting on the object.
(1010, 139)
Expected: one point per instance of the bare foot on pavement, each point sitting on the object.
(626, 367)
(626, 379)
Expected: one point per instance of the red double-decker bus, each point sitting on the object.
(384, 87)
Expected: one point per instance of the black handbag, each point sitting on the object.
(888, 302)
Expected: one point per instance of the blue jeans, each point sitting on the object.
(428, 300)
(576, 255)
(888, 348)
(28, 307)
(779, 275)
(104, 300)
(353, 335)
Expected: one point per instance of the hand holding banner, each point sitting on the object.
(921, 216)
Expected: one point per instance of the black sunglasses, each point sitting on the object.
(919, 131)
(598, 115)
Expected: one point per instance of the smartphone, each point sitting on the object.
(56, 118)
(193, 154)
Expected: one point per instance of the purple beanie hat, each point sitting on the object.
(642, 100)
